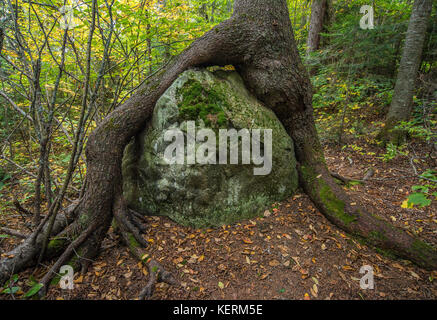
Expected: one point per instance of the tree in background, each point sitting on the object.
(401, 105)
(318, 13)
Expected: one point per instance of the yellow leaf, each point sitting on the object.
(274, 263)
(406, 205)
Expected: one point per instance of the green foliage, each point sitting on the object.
(11, 287)
(423, 125)
(33, 290)
(340, 95)
(354, 71)
(426, 192)
(419, 199)
(365, 51)
(4, 177)
(392, 151)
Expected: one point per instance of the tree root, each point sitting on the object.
(130, 226)
(131, 230)
(13, 233)
(20, 208)
(350, 216)
(156, 274)
(345, 180)
(63, 258)
(25, 254)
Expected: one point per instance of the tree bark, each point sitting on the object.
(258, 40)
(318, 12)
(401, 105)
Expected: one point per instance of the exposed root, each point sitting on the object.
(156, 274)
(13, 233)
(350, 216)
(138, 215)
(369, 174)
(69, 215)
(20, 208)
(345, 180)
(64, 257)
(131, 230)
(26, 253)
(130, 226)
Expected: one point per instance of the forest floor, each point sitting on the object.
(291, 252)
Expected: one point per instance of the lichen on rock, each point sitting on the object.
(201, 195)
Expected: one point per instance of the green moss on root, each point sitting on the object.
(333, 204)
(327, 198)
(423, 249)
(386, 253)
(377, 236)
(133, 244)
(56, 244)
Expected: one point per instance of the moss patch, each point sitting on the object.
(377, 236)
(56, 244)
(133, 243)
(200, 103)
(333, 204)
(422, 249)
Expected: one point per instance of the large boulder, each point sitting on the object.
(205, 195)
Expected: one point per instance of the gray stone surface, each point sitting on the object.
(206, 195)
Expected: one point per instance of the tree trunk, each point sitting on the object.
(401, 105)
(318, 11)
(258, 40)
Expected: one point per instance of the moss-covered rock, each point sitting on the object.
(206, 195)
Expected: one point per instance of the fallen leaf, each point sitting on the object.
(178, 260)
(79, 280)
(274, 263)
